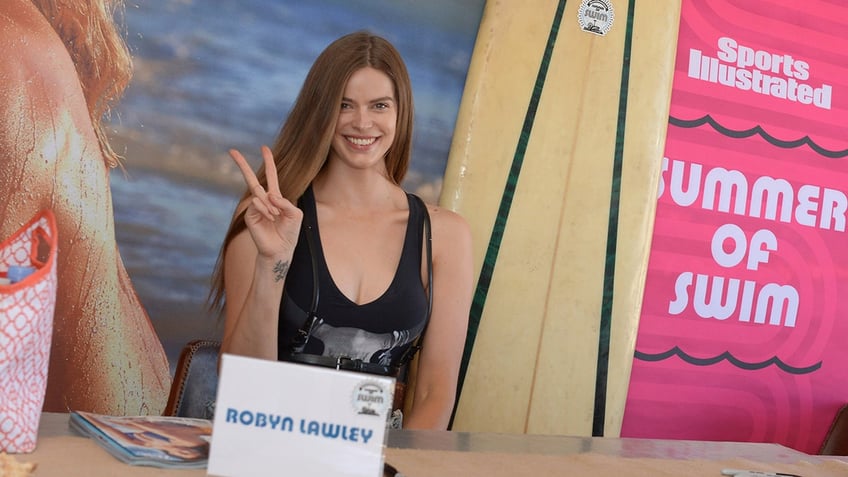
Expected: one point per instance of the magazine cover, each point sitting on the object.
(158, 441)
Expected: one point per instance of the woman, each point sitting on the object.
(63, 65)
(341, 155)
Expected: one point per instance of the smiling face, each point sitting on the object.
(365, 129)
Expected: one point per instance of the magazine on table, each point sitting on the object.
(158, 441)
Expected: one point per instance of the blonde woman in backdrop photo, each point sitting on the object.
(64, 64)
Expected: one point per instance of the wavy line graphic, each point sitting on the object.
(694, 123)
(725, 356)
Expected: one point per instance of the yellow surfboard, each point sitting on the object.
(555, 163)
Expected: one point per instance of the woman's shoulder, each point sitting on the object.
(451, 239)
(27, 39)
(448, 226)
(39, 77)
(35, 63)
(18, 16)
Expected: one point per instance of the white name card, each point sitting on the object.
(277, 418)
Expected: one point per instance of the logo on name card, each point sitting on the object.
(370, 398)
(595, 16)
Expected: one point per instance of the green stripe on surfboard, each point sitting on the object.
(493, 248)
(612, 237)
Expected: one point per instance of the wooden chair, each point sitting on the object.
(836, 440)
(195, 384)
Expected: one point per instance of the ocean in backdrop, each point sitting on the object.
(214, 74)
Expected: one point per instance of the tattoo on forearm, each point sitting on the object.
(280, 270)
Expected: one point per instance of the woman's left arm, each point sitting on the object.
(444, 341)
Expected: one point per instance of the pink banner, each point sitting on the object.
(742, 333)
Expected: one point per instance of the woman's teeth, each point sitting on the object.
(361, 141)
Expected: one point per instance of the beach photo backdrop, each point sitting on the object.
(215, 74)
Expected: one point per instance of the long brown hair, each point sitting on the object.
(102, 60)
(303, 144)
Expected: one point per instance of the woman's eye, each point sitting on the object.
(346, 106)
(381, 105)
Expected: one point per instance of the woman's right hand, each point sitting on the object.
(273, 221)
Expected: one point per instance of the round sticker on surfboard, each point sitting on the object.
(595, 16)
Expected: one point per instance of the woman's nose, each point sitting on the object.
(362, 120)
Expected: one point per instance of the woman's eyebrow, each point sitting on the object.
(378, 100)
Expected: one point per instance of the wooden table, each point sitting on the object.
(61, 452)
(437, 454)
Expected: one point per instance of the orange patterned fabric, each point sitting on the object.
(26, 328)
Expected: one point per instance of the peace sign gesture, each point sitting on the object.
(273, 221)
